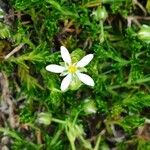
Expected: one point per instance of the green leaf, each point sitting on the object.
(4, 31)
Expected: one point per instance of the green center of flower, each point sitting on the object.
(72, 69)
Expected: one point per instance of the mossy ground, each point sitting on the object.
(31, 34)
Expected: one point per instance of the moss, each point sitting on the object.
(31, 34)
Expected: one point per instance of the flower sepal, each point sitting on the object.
(77, 54)
(75, 84)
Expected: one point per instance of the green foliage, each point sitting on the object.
(4, 31)
(112, 30)
(131, 122)
(143, 145)
(137, 102)
(23, 4)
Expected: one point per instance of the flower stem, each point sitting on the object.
(101, 37)
(72, 145)
(58, 121)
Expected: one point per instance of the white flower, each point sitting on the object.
(70, 70)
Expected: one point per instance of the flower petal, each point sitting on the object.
(86, 79)
(55, 68)
(85, 60)
(66, 82)
(65, 55)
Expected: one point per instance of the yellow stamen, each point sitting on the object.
(72, 69)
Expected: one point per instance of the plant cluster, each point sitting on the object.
(112, 113)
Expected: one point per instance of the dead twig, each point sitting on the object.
(39, 137)
(14, 51)
(135, 2)
(135, 19)
(7, 105)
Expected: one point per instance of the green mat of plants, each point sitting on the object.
(74, 74)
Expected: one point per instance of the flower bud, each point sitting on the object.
(89, 106)
(44, 118)
(74, 130)
(144, 33)
(100, 14)
(1, 13)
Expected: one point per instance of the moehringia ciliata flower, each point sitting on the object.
(70, 69)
